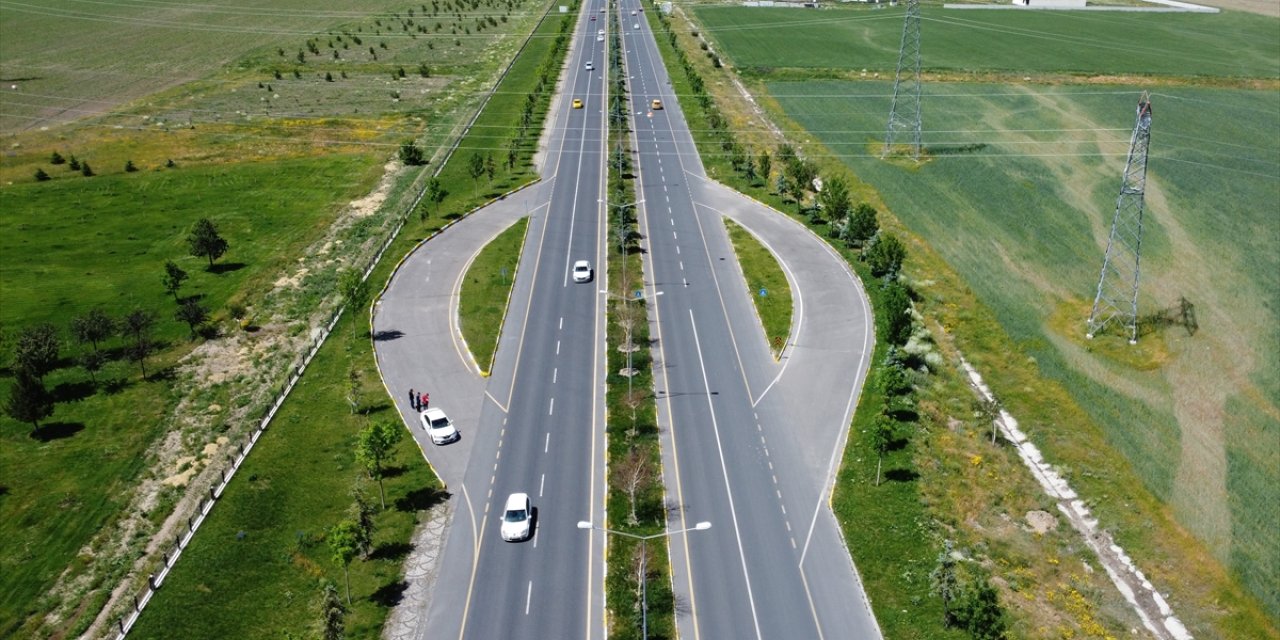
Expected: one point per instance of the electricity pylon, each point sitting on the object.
(1117, 298)
(904, 115)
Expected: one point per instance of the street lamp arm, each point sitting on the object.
(701, 526)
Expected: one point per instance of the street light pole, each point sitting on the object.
(644, 569)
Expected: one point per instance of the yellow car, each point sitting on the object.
(577, 104)
(656, 105)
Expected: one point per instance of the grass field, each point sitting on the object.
(1000, 41)
(108, 250)
(271, 175)
(99, 66)
(1035, 204)
(1017, 197)
(482, 304)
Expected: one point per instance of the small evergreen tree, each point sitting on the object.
(86, 170)
(411, 154)
(205, 242)
(137, 325)
(129, 167)
(36, 351)
(174, 276)
(332, 614)
(56, 158)
(885, 256)
(862, 224)
(73, 164)
(93, 327)
(41, 176)
(944, 581)
(192, 313)
(29, 401)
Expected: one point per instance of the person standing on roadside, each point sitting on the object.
(413, 400)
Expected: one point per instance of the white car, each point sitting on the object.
(582, 271)
(635, 26)
(516, 518)
(590, 66)
(600, 32)
(438, 426)
(633, 12)
(599, 38)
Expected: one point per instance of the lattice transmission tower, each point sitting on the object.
(904, 115)
(1117, 298)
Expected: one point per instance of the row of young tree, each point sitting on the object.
(37, 349)
(82, 167)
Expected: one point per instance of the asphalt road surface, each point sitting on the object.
(536, 425)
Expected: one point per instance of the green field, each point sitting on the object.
(271, 165)
(1024, 221)
(999, 41)
(1017, 196)
(763, 273)
(99, 64)
(108, 249)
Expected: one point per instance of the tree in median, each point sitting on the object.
(93, 327)
(137, 326)
(192, 313)
(632, 474)
(375, 444)
(344, 544)
(29, 401)
(174, 276)
(205, 242)
(36, 352)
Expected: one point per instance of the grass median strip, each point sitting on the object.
(766, 284)
(486, 292)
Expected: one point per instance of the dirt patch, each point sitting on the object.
(1041, 522)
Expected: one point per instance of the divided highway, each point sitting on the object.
(741, 451)
(750, 443)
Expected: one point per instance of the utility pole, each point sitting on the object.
(1117, 297)
(904, 114)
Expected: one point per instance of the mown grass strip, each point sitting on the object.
(486, 290)
(766, 284)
